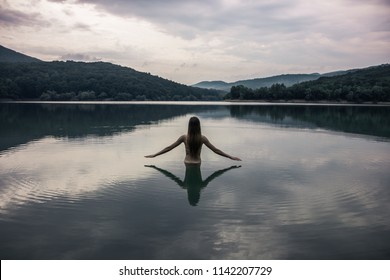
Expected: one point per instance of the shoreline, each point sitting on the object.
(304, 102)
(220, 102)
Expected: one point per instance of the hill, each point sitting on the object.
(370, 84)
(219, 85)
(286, 79)
(71, 80)
(8, 55)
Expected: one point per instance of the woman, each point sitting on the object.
(193, 142)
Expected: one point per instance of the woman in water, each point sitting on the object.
(193, 142)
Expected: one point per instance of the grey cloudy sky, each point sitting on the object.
(191, 41)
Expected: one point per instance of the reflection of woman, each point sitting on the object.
(193, 144)
(193, 181)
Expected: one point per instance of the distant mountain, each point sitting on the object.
(286, 79)
(219, 85)
(8, 55)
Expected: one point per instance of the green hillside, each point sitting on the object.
(8, 55)
(90, 81)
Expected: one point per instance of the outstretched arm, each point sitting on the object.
(167, 149)
(218, 173)
(216, 150)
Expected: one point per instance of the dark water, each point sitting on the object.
(314, 182)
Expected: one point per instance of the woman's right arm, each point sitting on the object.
(167, 149)
(216, 150)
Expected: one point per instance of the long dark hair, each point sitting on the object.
(194, 136)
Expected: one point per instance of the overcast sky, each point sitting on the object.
(191, 41)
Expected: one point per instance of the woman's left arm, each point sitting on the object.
(216, 150)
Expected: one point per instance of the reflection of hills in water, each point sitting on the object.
(21, 123)
(367, 120)
(269, 116)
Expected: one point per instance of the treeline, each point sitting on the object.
(365, 85)
(91, 81)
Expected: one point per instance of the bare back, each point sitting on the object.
(195, 158)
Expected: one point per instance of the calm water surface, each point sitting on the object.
(314, 182)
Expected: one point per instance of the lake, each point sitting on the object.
(313, 183)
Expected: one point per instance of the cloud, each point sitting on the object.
(246, 19)
(283, 32)
(11, 18)
(227, 39)
(79, 57)
(82, 26)
(189, 19)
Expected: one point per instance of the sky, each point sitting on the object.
(198, 40)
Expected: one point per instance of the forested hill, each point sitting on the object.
(8, 55)
(370, 84)
(71, 80)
